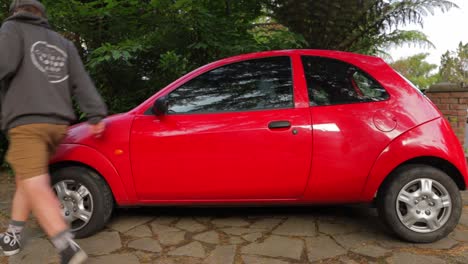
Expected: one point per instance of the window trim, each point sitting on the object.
(367, 74)
(356, 87)
(293, 89)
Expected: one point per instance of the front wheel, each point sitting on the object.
(420, 203)
(85, 199)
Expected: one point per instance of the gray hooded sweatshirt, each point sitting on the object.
(40, 72)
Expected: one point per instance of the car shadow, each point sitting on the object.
(356, 218)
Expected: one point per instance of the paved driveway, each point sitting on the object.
(338, 234)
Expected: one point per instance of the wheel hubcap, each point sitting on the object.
(76, 203)
(424, 205)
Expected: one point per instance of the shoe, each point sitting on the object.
(10, 243)
(73, 254)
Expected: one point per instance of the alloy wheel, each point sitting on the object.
(424, 205)
(76, 203)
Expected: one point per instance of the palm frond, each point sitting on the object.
(405, 37)
(404, 12)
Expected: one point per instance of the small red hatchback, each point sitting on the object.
(280, 127)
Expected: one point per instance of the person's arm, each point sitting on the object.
(83, 89)
(10, 54)
(10, 50)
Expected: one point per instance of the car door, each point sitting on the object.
(352, 124)
(232, 133)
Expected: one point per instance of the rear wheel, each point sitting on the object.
(85, 199)
(420, 203)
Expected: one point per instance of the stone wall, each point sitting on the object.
(452, 100)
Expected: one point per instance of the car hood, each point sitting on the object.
(81, 134)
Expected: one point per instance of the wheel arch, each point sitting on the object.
(89, 158)
(432, 143)
(434, 162)
(66, 164)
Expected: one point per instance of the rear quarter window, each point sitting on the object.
(332, 82)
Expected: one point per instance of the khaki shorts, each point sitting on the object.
(32, 146)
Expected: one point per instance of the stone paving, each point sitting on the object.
(297, 235)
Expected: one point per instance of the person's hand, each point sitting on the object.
(98, 129)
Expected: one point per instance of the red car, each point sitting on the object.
(280, 127)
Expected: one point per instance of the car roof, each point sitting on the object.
(311, 52)
(353, 58)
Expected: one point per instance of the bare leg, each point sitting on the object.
(46, 208)
(44, 204)
(21, 208)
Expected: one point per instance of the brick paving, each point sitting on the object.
(273, 235)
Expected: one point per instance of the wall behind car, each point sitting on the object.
(452, 101)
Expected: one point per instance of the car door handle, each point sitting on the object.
(279, 124)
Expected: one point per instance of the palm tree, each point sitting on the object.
(365, 26)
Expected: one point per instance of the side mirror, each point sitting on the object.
(161, 106)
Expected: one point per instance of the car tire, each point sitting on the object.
(85, 199)
(420, 203)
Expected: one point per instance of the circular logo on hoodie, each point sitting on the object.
(50, 60)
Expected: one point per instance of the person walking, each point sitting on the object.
(41, 72)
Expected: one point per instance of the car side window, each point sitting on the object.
(332, 82)
(248, 85)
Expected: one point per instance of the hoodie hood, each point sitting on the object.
(21, 3)
(29, 18)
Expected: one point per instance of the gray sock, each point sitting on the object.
(62, 240)
(16, 227)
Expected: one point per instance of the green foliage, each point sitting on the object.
(454, 65)
(134, 48)
(173, 65)
(364, 26)
(122, 52)
(272, 36)
(417, 70)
